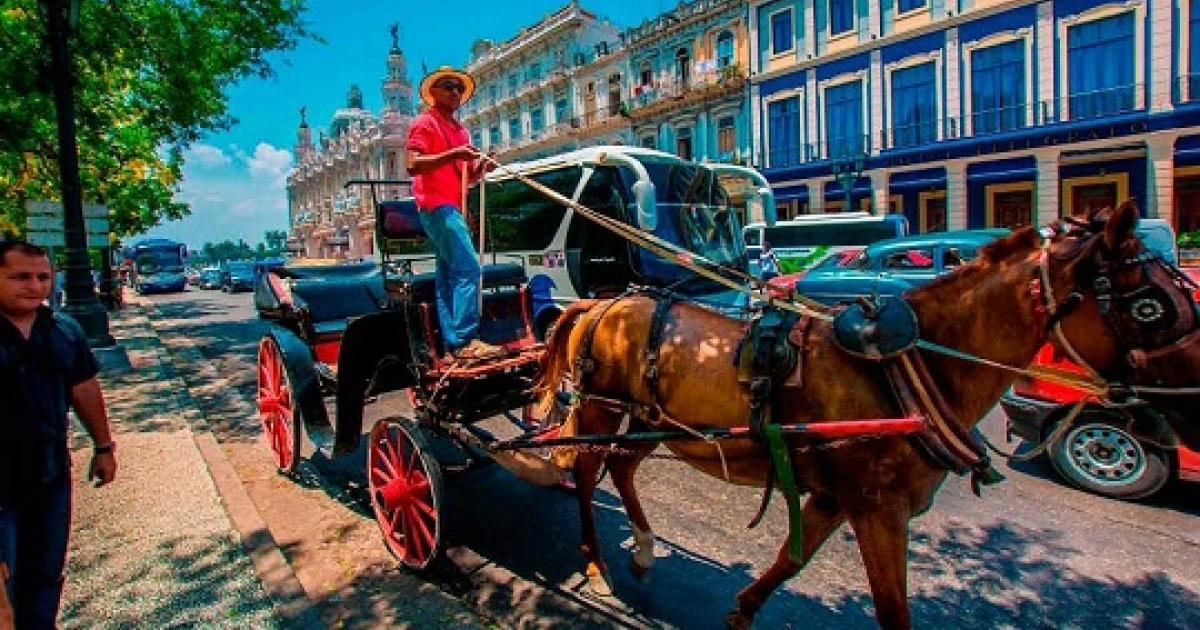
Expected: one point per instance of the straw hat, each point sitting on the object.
(444, 72)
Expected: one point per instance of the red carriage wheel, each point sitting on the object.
(277, 407)
(405, 482)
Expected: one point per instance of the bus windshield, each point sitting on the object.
(159, 260)
(694, 212)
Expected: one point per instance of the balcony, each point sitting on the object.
(653, 100)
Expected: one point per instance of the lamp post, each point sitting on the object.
(81, 302)
(847, 171)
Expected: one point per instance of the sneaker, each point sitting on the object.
(479, 351)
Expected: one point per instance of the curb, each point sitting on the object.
(288, 597)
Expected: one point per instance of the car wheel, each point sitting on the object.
(1099, 455)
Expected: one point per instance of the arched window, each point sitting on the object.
(646, 76)
(724, 49)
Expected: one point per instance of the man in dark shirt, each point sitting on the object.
(46, 368)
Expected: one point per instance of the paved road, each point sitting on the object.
(1030, 553)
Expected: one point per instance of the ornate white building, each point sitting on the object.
(327, 219)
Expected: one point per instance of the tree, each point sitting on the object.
(151, 77)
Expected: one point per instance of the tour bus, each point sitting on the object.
(566, 256)
(807, 239)
(157, 265)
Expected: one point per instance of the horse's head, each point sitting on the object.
(1123, 310)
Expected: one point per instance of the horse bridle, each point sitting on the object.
(1140, 318)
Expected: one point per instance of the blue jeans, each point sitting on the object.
(457, 277)
(33, 542)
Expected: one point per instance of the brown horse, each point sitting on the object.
(996, 308)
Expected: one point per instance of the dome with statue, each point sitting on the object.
(352, 115)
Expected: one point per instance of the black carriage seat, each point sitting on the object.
(329, 297)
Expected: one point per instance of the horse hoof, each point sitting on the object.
(736, 620)
(640, 573)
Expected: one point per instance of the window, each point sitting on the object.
(1193, 77)
(844, 119)
(726, 141)
(648, 142)
(1100, 66)
(998, 88)
(683, 67)
(646, 76)
(841, 16)
(782, 39)
(537, 120)
(910, 5)
(514, 128)
(512, 84)
(914, 109)
(725, 47)
(535, 71)
(784, 129)
(562, 110)
(494, 135)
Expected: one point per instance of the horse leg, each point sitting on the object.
(821, 517)
(623, 470)
(587, 476)
(883, 542)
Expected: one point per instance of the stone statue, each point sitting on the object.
(395, 36)
(355, 100)
(304, 116)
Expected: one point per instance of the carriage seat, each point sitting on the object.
(331, 301)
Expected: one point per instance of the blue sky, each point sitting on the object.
(235, 181)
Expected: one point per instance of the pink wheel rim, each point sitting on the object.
(275, 404)
(403, 496)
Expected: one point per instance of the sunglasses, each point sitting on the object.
(452, 86)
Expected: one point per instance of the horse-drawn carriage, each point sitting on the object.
(353, 332)
(651, 367)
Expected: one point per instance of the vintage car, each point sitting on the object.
(238, 276)
(893, 266)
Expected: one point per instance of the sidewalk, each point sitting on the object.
(174, 541)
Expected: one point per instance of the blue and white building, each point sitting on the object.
(976, 113)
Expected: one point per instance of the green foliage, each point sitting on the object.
(1190, 240)
(151, 77)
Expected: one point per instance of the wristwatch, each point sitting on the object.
(105, 449)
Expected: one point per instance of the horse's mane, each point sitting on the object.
(1016, 243)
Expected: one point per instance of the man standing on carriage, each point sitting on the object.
(443, 164)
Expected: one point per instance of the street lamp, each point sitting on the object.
(846, 171)
(81, 302)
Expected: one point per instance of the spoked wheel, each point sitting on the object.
(405, 482)
(277, 407)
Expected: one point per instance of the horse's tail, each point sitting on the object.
(556, 362)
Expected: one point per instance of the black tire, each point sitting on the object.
(1099, 455)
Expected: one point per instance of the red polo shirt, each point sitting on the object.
(434, 132)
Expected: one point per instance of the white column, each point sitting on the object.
(1043, 99)
(875, 128)
(816, 136)
(1161, 53)
(952, 112)
(956, 196)
(1160, 178)
(879, 191)
(816, 196)
(1048, 190)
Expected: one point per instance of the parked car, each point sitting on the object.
(1117, 452)
(237, 276)
(210, 278)
(780, 285)
(895, 265)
